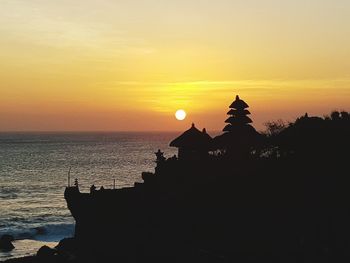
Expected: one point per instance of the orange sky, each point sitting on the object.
(129, 65)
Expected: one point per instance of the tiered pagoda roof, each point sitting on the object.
(238, 114)
(238, 133)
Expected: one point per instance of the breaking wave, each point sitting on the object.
(48, 233)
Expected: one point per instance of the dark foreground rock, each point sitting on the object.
(66, 249)
(29, 259)
(6, 243)
(46, 253)
(35, 259)
(62, 253)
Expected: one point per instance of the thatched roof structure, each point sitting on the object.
(239, 104)
(237, 120)
(193, 139)
(236, 112)
(237, 115)
(238, 133)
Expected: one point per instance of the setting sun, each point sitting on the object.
(116, 65)
(180, 115)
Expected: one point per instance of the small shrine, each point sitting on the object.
(193, 144)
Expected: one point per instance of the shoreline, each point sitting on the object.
(25, 248)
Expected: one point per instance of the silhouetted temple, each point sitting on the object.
(193, 144)
(238, 115)
(238, 135)
(236, 140)
(279, 196)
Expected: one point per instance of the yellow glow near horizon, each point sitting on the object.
(129, 65)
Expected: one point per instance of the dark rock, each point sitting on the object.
(67, 249)
(147, 177)
(8, 237)
(6, 242)
(46, 252)
(66, 245)
(27, 259)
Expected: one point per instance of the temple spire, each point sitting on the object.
(237, 114)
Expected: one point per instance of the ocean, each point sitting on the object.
(34, 170)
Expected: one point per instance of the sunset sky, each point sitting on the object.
(130, 64)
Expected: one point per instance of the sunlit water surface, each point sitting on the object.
(33, 175)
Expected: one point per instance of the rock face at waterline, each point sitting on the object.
(284, 198)
(6, 243)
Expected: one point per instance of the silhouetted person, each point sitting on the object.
(160, 156)
(76, 183)
(92, 188)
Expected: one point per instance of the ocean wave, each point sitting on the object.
(8, 196)
(48, 232)
(8, 192)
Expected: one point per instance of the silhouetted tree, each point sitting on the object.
(335, 115)
(273, 128)
(345, 115)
